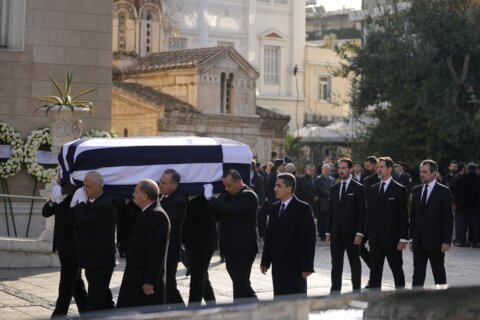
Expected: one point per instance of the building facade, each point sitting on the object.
(327, 94)
(42, 38)
(202, 92)
(269, 34)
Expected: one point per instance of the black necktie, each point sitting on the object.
(382, 191)
(424, 197)
(282, 209)
(344, 189)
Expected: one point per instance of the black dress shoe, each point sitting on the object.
(461, 244)
(476, 245)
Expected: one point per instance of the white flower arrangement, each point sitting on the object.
(9, 136)
(99, 134)
(39, 140)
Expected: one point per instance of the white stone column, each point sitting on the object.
(202, 22)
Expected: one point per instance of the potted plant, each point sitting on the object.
(65, 124)
(65, 100)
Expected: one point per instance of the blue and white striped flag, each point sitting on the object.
(124, 161)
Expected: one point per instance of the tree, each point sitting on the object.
(418, 74)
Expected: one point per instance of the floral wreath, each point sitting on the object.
(39, 140)
(8, 136)
(99, 134)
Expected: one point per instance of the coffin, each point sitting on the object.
(124, 161)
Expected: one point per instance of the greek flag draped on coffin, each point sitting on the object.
(124, 161)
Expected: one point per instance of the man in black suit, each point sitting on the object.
(402, 177)
(199, 236)
(71, 283)
(95, 238)
(143, 281)
(467, 192)
(175, 205)
(357, 173)
(431, 224)
(306, 189)
(280, 155)
(290, 242)
(258, 186)
(450, 179)
(387, 225)
(237, 211)
(323, 184)
(346, 225)
(369, 180)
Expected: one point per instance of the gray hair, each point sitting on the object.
(96, 177)
(326, 165)
(290, 167)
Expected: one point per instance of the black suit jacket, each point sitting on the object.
(306, 189)
(387, 218)
(434, 225)
(95, 233)
(199, 229)
(405, 179)
(258, 185)
(63, 230)
(238, 216)
(323, 185)
(175, 205)
(346, 218)
(291, 237)
(467, 192)
(146, 259)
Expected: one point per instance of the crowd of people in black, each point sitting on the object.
(372, 214)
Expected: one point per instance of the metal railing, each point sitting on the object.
(7, 203)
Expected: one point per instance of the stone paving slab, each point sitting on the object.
(30, 293)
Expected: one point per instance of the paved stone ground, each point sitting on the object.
(30, 293)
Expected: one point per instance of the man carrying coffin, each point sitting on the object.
(237, 211)
(94, 238)
(143, 281)
(175, 205)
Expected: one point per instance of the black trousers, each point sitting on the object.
(239, 269)
(262, 220)
(474, 229)
(337, 249)
(200, 286)
(71, 284)
(321, 223)
(172, 295)
(437, 262)
(395, 261)
(99, 294)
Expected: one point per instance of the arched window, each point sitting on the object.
(149, 29)
(229, 94)
(226, 93)
(222, 93)
(122, 26)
